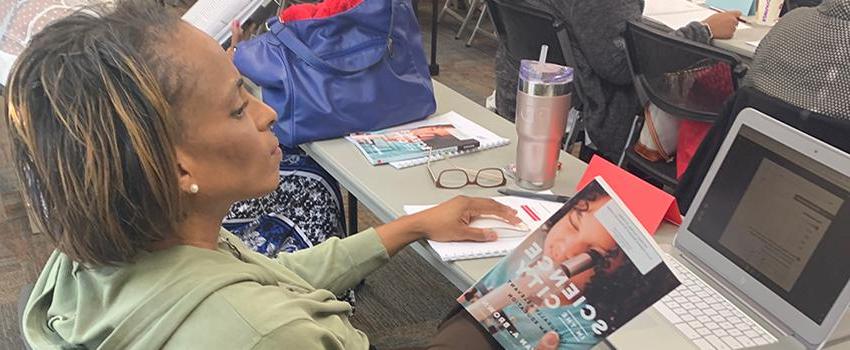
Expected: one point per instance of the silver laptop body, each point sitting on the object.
(769, 230)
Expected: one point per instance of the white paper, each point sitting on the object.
(214, 16)
(533, 213)
(680, 19)
(655, 7)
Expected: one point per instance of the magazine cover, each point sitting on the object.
(391, 146)
(588, 270)
(445, 137)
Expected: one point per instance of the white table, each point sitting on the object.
(680, 12)
(385, 190)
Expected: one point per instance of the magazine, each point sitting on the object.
(584, 273)
(391, 146)
(486, 138)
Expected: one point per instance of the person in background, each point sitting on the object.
(133, 134)
(602, 72)
(804, 59)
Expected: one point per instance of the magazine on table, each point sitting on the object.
(398, 145)
(486, 138)
(589, 269)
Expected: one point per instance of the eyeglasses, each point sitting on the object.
(458, 177)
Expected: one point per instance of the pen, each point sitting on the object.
(717, 9)
(541, 196)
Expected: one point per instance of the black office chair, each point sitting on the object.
(684, 78)
(565, 39)
(830, 130)
(524, 28)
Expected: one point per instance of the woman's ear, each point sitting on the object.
(185, 181)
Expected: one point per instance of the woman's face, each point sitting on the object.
(227, 146)
(579, 231)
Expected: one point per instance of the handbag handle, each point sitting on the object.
(287, 37)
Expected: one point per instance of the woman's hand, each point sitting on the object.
(448, 221)
(723, 25)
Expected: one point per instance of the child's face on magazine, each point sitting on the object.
(579, 231)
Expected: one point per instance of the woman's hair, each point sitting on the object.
(89, 107)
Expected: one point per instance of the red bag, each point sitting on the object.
(691, 134)
(711, 87)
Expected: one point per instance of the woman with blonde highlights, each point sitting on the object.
(133, 134)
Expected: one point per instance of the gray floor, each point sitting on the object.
(399, 305)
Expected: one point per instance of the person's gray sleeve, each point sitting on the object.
(695, 31)
(598, 27)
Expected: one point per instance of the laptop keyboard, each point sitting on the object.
(706, 317)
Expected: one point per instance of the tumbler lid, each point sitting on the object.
(544, 79)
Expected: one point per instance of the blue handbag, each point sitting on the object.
(360, 70)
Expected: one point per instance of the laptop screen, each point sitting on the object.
(783, 218)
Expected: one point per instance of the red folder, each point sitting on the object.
(650, 204)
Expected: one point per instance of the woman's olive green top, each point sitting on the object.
(186, 297)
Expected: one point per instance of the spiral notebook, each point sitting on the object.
(486, 138)
(532, 213)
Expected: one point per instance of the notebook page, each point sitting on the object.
(533, 213)
(214, 16)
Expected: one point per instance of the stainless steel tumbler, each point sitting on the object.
(543, 103)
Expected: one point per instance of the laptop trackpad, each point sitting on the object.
(650, 325)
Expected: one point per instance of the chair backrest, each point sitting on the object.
(523, 28)
(682, 77)
(830, 130)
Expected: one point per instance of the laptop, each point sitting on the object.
(764, 253)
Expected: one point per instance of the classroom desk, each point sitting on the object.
(385, 190)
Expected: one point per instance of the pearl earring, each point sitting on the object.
(193, 188)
